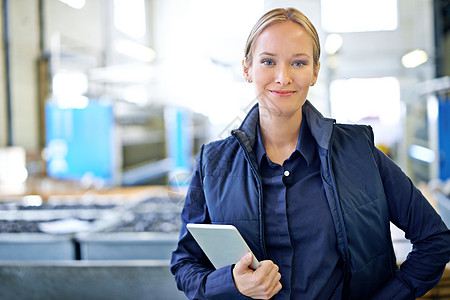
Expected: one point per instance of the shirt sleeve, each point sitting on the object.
(411, 212)
(194, 273)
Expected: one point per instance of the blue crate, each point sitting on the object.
(36, 247)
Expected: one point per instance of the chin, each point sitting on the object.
(280, 110)
(280, 106)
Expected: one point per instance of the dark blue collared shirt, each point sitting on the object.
(298, 229)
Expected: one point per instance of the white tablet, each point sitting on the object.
(222, 244)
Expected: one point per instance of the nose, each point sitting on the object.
(283, 76)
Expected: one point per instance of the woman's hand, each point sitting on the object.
(262, 283)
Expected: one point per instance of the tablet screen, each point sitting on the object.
(222, 244)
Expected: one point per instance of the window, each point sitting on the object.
(372, 101)
(129, 17)
(359, 15)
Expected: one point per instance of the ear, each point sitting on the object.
(246, 68)
(316, 74)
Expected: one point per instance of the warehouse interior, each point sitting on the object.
(104, 106)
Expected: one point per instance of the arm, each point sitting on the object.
(193, 272)
(411, 212)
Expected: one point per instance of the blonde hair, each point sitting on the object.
(279, 15)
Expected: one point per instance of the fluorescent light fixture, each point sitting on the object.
(135, 50)
(333, 43)
(77, 4)
(414, 58)
(421, 153)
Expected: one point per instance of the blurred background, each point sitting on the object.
(104, 105)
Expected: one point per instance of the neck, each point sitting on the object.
(279, 134)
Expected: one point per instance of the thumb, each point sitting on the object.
(242, 265)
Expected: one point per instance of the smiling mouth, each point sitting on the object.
(282, 93)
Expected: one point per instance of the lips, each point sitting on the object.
(282, 93)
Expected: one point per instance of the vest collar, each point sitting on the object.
(321, 127)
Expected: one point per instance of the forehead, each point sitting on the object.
(284, 37)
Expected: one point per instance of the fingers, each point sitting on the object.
(274, 275)
(242, 266)
(275, 290)
(262, 283)
(268, 268)
(275, 284)
(270, 280)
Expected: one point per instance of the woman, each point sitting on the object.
(312, 198)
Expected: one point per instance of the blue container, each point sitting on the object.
(80, 141)
(127, 245)
(444, 139)
(36, 247)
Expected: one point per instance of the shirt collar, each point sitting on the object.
(260, 150)
(306, 144)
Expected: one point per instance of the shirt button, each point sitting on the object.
(286, 173)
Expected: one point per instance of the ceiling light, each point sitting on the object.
(77, 4)
(414, 58)
(333, 43)
(421, 153)
(135, 50)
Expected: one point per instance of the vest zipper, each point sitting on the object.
(341, 220)
(260, 198)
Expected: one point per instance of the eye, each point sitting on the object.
(299, 63)
(267, 62)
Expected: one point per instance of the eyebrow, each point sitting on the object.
(295, 55)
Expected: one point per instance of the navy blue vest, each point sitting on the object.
(233, 193)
